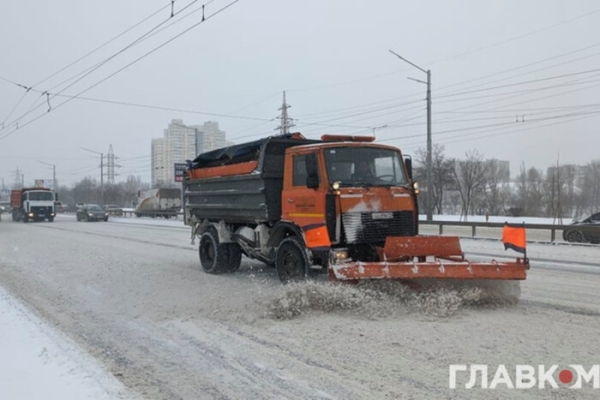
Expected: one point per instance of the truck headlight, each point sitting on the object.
(338, 255)
(335, 188)
(30, 214)
(91, 215)
(415, 186)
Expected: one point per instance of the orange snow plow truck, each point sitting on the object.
(342, 205)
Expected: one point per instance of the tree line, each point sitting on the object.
(468, 186)
(90, 191)
(476, 186)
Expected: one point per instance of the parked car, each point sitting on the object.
(91, 212)
(113, 209)
(60, 207)
(586, 229)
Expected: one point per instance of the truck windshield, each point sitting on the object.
(364, 166)
(41, 196)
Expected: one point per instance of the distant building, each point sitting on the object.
(501, 166)
(177, 145)
(182, 142)
(568, 173)
(209, 137)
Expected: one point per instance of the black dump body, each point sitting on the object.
(247, 199)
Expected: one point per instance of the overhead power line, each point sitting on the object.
(518, 83)
(473, 136)
(204, 19)
(83, 74)
(102, 45)
(469, 52)
(78, 60)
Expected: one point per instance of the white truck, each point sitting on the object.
(33, 204)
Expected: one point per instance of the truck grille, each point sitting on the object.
(41, 209)
(363, 228)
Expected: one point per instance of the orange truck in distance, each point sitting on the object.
(342, 205)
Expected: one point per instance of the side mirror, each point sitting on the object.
(408, 163)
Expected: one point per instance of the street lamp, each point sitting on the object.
(378, 127)
(101, 171)
(53, 173)
(429, 205)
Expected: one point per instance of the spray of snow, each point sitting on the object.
(377, 299)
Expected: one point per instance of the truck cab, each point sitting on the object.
(358, 193)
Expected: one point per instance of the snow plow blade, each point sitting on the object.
(407, 258)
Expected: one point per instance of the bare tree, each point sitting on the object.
(495, 192)
(441, 174)
(560, 191)
(531, 193)
(88, 190)
(469, 178)
(590, 189)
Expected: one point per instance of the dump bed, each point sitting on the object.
(16, 198)
(239, 184)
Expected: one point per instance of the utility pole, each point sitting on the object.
(101, 171)
(429, 197)
(286, 121)
(53, 173)
(110, 166)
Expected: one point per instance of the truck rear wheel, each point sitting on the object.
(214, 257)
(235, 257)
(291, 260)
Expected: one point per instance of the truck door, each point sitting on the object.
(304, 190)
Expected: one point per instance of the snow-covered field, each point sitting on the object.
(130, 293)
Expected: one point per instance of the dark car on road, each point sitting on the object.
(586, 229)
(91, 212)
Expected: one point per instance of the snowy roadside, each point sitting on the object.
(37, 362)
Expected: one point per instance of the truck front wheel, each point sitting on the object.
(291, 260)
(214, 257)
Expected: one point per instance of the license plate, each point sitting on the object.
(382, 215)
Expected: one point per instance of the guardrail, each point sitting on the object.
(475, 225)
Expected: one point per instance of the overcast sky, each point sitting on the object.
(492, 63)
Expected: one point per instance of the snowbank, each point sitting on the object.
(38, 363)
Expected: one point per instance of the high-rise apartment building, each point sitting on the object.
(209, 137)
(182, 142)
(177, 145)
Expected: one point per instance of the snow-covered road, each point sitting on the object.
(132, 295)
